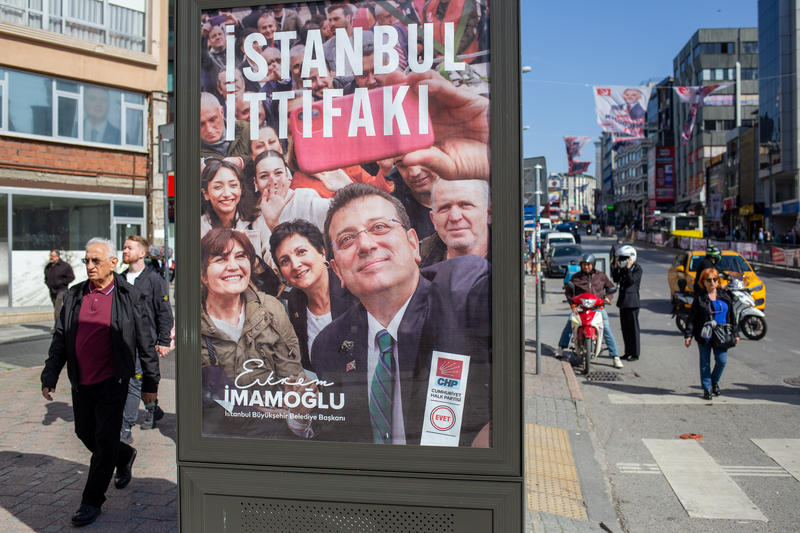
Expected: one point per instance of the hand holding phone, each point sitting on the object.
(319, 153)
(460, 119)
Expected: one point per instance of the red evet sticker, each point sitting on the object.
(443, 418)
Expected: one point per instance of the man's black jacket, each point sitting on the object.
(155, 291)
(629, 280)
(128, 332)
(58, 276)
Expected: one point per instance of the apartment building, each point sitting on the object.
(83, 89)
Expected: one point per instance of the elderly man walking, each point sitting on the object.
(97, 335)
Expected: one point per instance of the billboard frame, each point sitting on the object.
(503, 461)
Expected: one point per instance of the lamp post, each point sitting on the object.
(537, 265)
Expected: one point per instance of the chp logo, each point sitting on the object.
(603, 91)
(448, 372)
(443, 418)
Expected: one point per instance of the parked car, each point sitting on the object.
(732, 264)
(559, 256)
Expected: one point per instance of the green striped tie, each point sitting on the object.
(381, 392)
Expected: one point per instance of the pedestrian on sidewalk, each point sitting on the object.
(158, 317)
(627, 273)
(58, 275)
(97, 335)
(712, 306)
(597, 283)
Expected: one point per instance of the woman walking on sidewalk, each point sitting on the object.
(712, 308)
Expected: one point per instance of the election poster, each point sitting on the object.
(574, 145)
(697, 97)
(622, 110)
(345, 196)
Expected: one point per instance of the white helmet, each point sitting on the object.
(626, 251)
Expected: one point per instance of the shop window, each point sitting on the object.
(128, 209)
(51, 222)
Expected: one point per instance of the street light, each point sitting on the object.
(537, 266)
(526, 69)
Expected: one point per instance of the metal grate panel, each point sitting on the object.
(258, 516)
(603, 376)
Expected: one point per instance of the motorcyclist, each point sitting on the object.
(597, 283)
(713, 255)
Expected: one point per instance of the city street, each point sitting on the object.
(742, 475)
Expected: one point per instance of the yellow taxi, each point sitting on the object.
(684, 266)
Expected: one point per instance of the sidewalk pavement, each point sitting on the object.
(565, 486)
(43, 465)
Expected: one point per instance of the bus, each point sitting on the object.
(677, 224)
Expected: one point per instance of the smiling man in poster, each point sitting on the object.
(380, 352)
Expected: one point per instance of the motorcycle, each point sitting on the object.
(587, 328)
(752, 322)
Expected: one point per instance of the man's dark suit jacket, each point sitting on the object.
(297, 303)
(450, 311)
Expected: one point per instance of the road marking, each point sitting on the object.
(694, 399)
(785, 452)
(733, 471)
(704, 489)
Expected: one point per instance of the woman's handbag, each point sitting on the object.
(722, 336)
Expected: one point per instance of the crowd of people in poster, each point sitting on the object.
(346, 220)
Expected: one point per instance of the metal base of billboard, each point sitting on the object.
(215, 499)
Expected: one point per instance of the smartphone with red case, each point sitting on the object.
(317, 153)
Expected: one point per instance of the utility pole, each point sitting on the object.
(537, 261)
(166, 135)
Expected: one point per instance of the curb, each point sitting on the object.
(572, 382)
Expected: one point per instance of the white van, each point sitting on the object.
(545, 223)
(557, 237)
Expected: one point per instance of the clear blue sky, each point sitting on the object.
(572, 46)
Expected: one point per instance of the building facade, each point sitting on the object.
(578, 195)
(83, 89)
(660, 148)
(779, 112)
(606, 162)
(630, 184)
(712, 56)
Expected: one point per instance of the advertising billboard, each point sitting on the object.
(665, 173)
(345, 259)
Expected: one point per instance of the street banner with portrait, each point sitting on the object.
(345, 197)
(574, 145)
(622, 110)
(697, 97)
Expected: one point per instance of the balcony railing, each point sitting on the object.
(96, 21)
